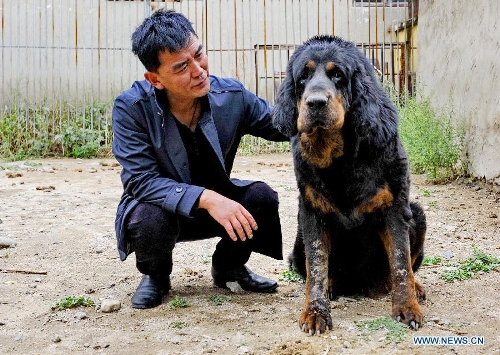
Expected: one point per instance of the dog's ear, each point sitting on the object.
(374, 115)
(285, 108)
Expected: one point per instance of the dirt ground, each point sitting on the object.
(61, 212)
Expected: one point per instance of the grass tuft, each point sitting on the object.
(178, 302)
(467, 269)
(433, 142)
(396, 331)
(72, 302)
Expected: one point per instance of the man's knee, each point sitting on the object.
(260, 197)
(150, 227)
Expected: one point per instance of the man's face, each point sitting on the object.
(184, 74)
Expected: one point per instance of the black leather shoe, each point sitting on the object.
(248, 280)
(150, 292)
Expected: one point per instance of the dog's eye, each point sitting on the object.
(303, 78)
(336, 74)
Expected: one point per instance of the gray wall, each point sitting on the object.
(459, 65)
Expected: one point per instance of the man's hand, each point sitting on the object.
(235, 219)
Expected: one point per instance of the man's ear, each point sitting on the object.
(153, 79)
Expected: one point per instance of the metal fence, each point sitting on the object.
(64, 61)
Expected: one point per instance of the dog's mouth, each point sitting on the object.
(315, 118)
(311, 125)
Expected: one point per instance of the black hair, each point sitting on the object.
(163, 30)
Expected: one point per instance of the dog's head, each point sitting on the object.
(329, 83)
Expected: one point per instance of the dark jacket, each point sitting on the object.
(149, 147)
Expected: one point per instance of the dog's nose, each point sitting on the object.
(316, 101)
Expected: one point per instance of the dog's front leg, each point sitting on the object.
(405, 306)
(315, 317)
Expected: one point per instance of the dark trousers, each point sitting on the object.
(154, 232)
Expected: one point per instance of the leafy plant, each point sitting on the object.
(72, 302)
(177, 324)
(291, 276)
(178, 302)
(219, 299)
(433, 142)
(396, 331)
(254, 145)
(46, 129)
(464, 270)
(431, 260)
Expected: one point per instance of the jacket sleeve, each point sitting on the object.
(258, 118)
(146, 175)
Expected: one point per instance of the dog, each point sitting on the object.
(358, 232)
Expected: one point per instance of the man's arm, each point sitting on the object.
(145, 175)
(235, 219)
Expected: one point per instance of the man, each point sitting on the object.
(176, 135)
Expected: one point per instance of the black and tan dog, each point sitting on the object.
(358, 232)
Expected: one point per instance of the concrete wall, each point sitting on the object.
(459, 65)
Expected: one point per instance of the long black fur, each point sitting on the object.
(372, 159)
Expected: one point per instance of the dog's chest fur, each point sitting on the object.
(349, 187)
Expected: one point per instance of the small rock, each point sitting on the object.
(56, 339)
(7, 243)
(110, 305)
(234, 287)
(243, 350)
(444, 322)
(346, 344)
(448, 254)
(80, 315)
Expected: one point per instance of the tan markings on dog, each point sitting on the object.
(321, 147)
(338, 112)
(389, 247)
(311, 65)
(329, 66)
(381, 200)
(318, 201)
(326, 240)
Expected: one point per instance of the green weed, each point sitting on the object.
(47, 129)
(291, 276)
(177, 324)
(431, 260)
(464, 270)
(251, 145)
(178, 302)
(72, 302)
(218, 300)
(433, 142)
(396, 331)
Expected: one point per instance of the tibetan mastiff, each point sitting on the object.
(358, 231)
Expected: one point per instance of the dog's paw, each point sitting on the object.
(419, 292)
(316, 318)
(409, 314)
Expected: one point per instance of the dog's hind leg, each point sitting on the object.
(297, 259)
(418, 227)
